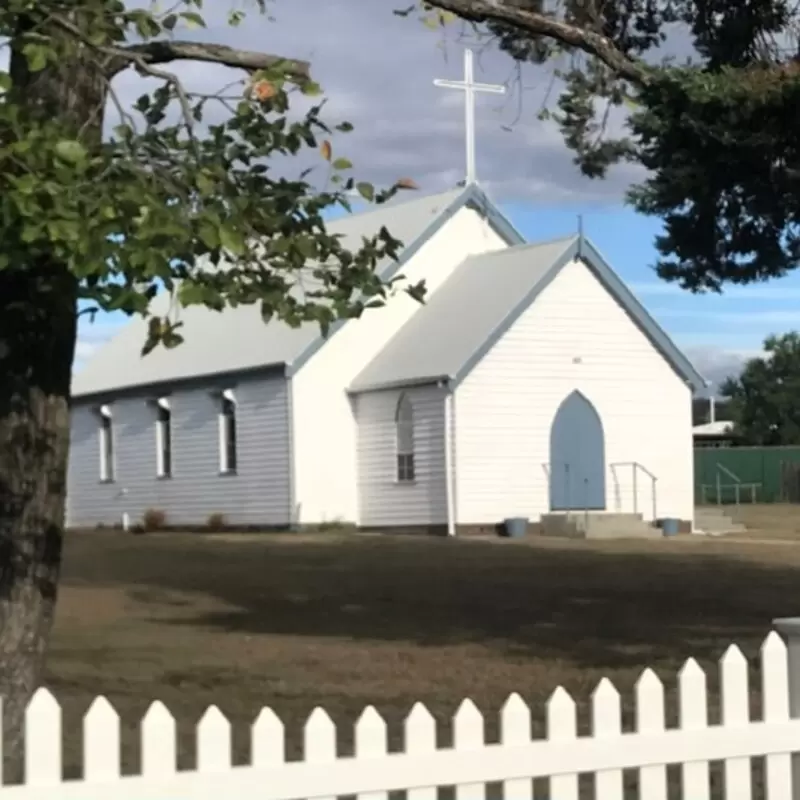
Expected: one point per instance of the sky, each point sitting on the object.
(377, 71)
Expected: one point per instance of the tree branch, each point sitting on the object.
(163, 52)
(542, 25)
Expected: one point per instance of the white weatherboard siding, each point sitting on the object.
(382, 500)
(257, 495)
(323, 418)
(574, 337)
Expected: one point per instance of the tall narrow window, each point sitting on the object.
(227, 433)
(404, 421)
(164, 439)
(106, 445)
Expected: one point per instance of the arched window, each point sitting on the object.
(404, 421)
(163, 438)
(107, 456)
(228, 460)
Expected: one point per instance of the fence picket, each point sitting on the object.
(267, 740)
(736, 712)
(775, 694)
(607, 723)
(43, 740)
(213, 742)
(650, 718)
(468, 734)
(319, 740)
(371, 741)
(159, 742)
(693, 715)
(562, 726)
(101, 753)
(420, 739)
(515, 728)
(371, 774)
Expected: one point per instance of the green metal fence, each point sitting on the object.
(713, 467)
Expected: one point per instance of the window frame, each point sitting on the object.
(228, 434)
(405, 462)
(164, 455)
(108, 455)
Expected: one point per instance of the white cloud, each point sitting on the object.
(91, 336)
(718, 363)
(377, 70)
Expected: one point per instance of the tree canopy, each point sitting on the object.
(165, 198)
(716, 129)
(172, 199)
(763, 399)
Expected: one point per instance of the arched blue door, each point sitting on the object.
(577, 457)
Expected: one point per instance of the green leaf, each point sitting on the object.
(153, 335)
(342, 163)
(5, 81)
(191, 294)
(307, 248)
(171, 339)
(205, 183)
(193, 19)
(37, 56)
(232, 239)
(71, 152)
(366, 190)
(311, 89)
(209, 234)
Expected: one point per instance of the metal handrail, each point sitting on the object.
(738, 484)
(728, 472)
(635, 467)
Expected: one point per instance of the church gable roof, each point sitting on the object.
(237, 340)
(481, 300)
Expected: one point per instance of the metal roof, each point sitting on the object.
(717, 428)
(237, 339)
(480, 301)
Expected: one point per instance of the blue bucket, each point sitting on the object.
(515, 527)
(670, 526)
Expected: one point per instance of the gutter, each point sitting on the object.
(449, 471)
(291, 455)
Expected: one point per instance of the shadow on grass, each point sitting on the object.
(603, 606)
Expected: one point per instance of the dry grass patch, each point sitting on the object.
(345, 621)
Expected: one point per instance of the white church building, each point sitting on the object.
(531, 381)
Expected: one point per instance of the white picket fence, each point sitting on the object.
(469, 764)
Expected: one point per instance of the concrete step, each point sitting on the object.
(709, 520)
(720, 529)
(715, 520)
(783, 515)
(598, 526)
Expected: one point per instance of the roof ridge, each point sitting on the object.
(514, 249)
(379, 207)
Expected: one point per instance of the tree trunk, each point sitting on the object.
(38, 328)
(37, 343)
